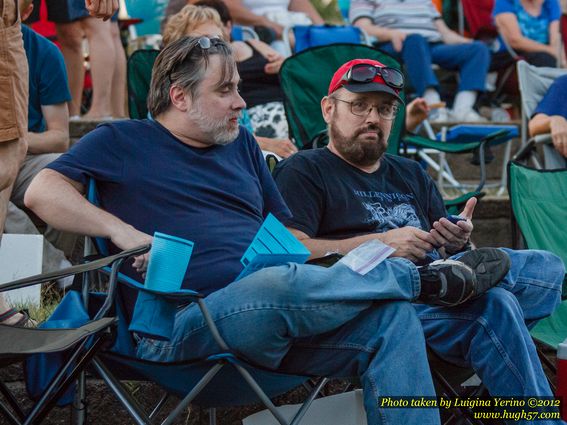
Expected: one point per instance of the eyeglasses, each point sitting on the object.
(205, 43)
(362, 108)
(365, 73)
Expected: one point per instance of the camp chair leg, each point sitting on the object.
(129, 403)
(63, 379)
(451, 393)
(9, 414)
(79, 406)
(261, 394)
(159, 405)
(212, 416)
(192, 394)
(11, 401)
(307, 404)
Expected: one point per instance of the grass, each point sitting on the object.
(51, 295)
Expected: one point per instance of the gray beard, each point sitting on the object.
(217, 131)
(358, 152)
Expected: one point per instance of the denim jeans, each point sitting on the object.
(470, 59)
(490, 334)
(310, 320)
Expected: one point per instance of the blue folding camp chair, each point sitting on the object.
(307, 36)
(70, 345)
(205, 382)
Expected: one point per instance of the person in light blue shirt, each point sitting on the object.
(531, 28)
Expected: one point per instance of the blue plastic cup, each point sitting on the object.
(169, 258)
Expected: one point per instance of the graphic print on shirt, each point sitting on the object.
(387, 211)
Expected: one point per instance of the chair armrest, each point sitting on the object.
(447, 147)
(543, 138)
(180, 295)
(73, 270)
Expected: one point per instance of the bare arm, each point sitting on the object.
(59, 201)
(102, 8)
(449, 36)
(539, 124)
(554, 124)
(241, 15)
(56, 137)
(281, 147)
(409, 242)
(306, 7)
(382, 34)
(555, 41)
(507, 25)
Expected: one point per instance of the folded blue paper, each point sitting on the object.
(273, 245)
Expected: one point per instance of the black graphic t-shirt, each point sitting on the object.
(330, 199)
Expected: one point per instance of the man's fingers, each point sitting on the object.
(426, 237)
(448, 230)
(469, 208)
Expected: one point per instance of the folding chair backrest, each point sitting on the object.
(241, 33)
(140, 66)
(478, 15)
(539, 202)
(305, 79)
(307, 36)
(534, 82)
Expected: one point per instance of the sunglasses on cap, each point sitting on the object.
(365, 73)
(204, 43)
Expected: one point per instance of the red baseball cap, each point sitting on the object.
(377, 85)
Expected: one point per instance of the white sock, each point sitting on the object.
(431, 96)
(464, 100)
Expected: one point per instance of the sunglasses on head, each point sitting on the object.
(204, 43)
(365, 73)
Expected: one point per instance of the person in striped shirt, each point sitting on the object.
(414, 31)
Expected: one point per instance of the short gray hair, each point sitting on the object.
(184, 63)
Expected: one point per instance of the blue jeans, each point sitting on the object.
(471, 60)
(490, 334)
(310, 320)
(291, 318)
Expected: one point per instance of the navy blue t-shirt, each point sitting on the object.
(553, 103)
(216, 197)
(47, 77)
(331, 199)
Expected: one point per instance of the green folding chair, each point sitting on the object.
(539, 202)
(139, 75)
(305, 78)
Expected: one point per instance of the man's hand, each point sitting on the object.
(416, 112)
(281, 147)
(102, 8)
(454, 236)
(410, 242)
(397, 39)
(127, 237)
(558, 127)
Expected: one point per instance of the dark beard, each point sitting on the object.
(361, 153)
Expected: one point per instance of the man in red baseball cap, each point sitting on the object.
(363, 99)
(352, 192)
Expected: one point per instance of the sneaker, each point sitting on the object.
(467, 115)
(490, 265)
(447, 283)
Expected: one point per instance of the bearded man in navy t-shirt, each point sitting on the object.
(352, 192)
